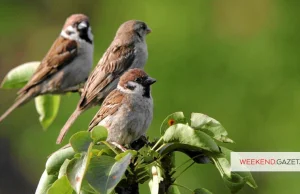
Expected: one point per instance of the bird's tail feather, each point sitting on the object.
(21, 100)
(68, 124)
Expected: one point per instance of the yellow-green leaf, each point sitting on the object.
(210, 126)
(81, 141)
(45, 182)
(186, 135)
(172, 119)
(47, 107)
(61, 185)
(99, 133)
(77, 168)
(55, 161)
(104, 173)
(19, 76)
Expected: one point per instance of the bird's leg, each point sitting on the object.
(118, 146)
(80, 90)
(75, 89)
(72, 89)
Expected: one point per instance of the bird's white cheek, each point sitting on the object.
(138, 89)
(74, 35)
(70, 29)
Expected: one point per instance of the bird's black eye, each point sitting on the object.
(138, 80)
(70, 32)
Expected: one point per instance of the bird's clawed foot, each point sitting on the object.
(119, 146)
(75, 89)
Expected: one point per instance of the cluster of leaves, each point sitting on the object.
(91, 165)
(87, 165)
(47, 106)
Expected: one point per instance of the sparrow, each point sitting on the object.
(128, 110)
(66, 65)
(128, 50)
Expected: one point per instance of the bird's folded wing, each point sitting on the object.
(112, 65)
(62, 52)
(110, 105)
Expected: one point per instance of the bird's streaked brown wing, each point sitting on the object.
(62, 52)
(110, 105)
(113, 64)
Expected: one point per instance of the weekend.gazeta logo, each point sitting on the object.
(265, 161)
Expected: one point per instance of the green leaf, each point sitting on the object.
(77, 168)
(210, 126)
(81, 141)
(104, 172)
(235, 183)
(45, 183)
(86, 188)
(63, 168)
(147, 155)
(248, 178)
(47, 107)
(202, 191)
(185, 134)
(55, 161)
(246, 175)
(172, 119)
(142, 173)
(233, 180)
(121, 155)
(222, 164)
(193, 152)
(173, 189)
(19, 76)
(100, 149)
(61, 185)
(99, 133)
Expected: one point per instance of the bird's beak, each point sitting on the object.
(82, 25)
(149, 81)
(148, 30)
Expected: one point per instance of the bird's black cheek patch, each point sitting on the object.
(146, 92)
(84, 35)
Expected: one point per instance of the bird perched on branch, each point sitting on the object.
(128, 50)
(66, 65)
(128, 110)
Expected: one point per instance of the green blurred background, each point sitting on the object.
(235, 60)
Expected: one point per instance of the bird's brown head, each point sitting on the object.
(78, 26)
(136, 81)
(134, 28)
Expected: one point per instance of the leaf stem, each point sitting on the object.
(110, 147)
(175, 184)
(186, 162)
(218, 166)
(162, 156)
(184, 170)
(157, 143)
(160, 147)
